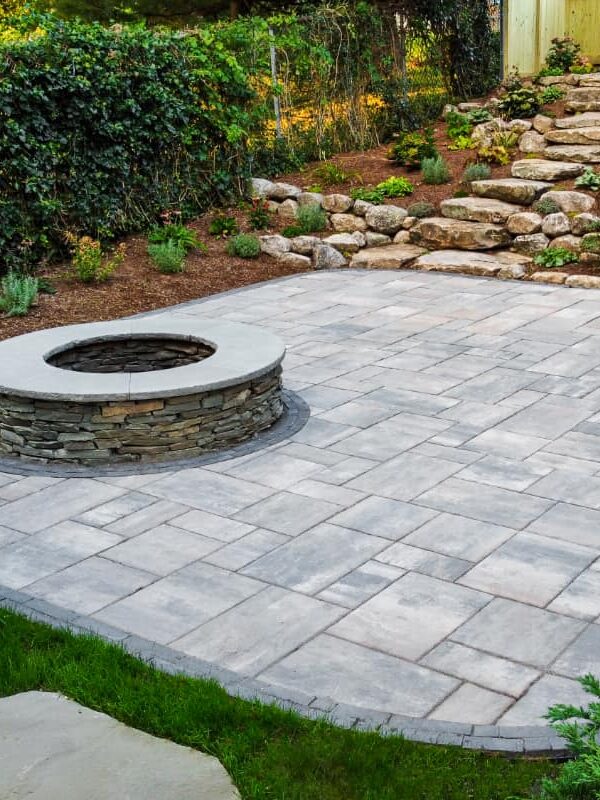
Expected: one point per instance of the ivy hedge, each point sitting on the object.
(102, 129)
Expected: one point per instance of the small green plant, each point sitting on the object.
(435, 171)
(551, 94)
(591, 243)
(461, 143)
(89, 263)
(222, 226)
(479, 115)
(411, 148)
(549, 72)
(315, 187)
(579, 778)
(395, 187)
(168, 256)
(460, 193)
(476, 172)
(494, 154)
(589, 180)
(545, 206)
(592, 226)
(458, 125)
(582, 66)
(331, 174)
(179, 234)
(563, 53)
(553, 257)
(312, 218)
(259, 215)
(18, 293)
(375, 196)
(244, 245)
(421, 210)
(519, 103)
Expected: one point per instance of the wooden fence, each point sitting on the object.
(530, 25)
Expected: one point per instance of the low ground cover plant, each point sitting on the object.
(223, 226)
(545, 206)
(421, 210)
(180, 235)
(331, 174)
(590, 179)
(551, 94)
(375, 196)
(553, 257)
(18, 293)
(395, 187)
(89, 262)
(244, 245)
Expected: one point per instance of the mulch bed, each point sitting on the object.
(138, 286)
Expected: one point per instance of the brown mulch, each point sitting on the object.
(138, 286)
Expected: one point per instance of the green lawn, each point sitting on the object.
(269, 753)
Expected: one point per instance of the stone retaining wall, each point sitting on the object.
(47, 431)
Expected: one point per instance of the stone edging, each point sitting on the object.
(507, 740)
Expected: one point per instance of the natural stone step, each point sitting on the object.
(586, 98)
(573, 135)
(590, 119)
(511, 190)
(479, 209)
(539, 169)
(580, 153)
(593, 79)
(471, 263)
(572, 202)
(391, 256)
(441, 232)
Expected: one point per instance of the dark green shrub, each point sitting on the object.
(476, 172)
(421, 210)
(178, 234)
(102, 129)
(479, 115)
(458, 125)
(17, 294)
(168, 256)
(312, 218)
(553, 257)
(549, 72)
(435, 171)
(563, 53)
(410, 149)
(375, 196)
(244, 245)
(545, 206)
(259, 215)
(551, 94)
(223, 226)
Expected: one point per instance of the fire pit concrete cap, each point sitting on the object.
(242, 353)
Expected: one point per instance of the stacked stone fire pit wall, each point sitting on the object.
(174, 402)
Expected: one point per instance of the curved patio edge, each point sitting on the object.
(526, 740)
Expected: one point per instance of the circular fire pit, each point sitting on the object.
(149, 389)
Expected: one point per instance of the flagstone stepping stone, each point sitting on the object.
(587, 135)
(539, 169)
(589, 119)
(478, 209)
(511, 190)
(581, 153)
(392, 256)
(585, 98)
(438, 233)
(51, 748)
(572, 202)
(344, 242)
(470, 263)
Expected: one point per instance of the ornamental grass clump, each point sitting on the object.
(18, 293)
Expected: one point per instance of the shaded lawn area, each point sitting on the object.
(270, 754)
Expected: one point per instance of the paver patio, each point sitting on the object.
(428, 544)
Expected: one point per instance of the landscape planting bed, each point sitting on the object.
(142, 390)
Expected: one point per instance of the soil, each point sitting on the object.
(137, 286)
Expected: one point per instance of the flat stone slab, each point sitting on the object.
(52, 748)
(511, 190)
(479, 209)
(589, 119)
(469, 263)
(579, 153)
(540, 169)
(391, 256)
(586, 135)
(441, 232)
